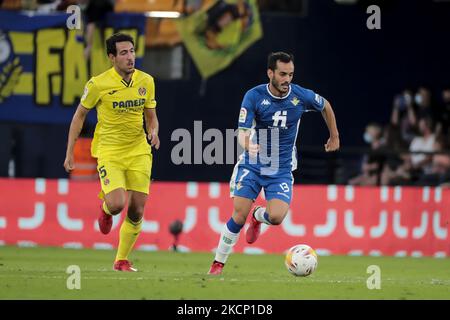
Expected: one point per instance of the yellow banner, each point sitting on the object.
(217, 35)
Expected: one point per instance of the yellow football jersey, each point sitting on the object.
(120, 107)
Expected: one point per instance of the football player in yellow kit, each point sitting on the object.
(122, 95)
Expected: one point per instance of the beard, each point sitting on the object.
(279, 86)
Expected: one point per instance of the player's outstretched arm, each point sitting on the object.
(74, 132)
(152, 125)
(330, 119)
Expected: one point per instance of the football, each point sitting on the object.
(301, 260)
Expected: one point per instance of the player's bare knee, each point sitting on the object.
(277, 214)
(276, 220)
(115, 206)
(135, 214)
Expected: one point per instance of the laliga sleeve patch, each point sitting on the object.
(318, 99)
(85, 93)
(243, 115)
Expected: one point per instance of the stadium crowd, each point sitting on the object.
(414, 147)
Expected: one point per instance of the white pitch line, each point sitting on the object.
(210, 279)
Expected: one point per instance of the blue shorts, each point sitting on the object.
(248, 183)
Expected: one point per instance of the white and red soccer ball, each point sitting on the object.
(301, 260)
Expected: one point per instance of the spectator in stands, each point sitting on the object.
(414, 164)
(425, 107)
(404, 116)
(373, 161)
(440, 166)
(422, 99)
(399, 175)
(443, 119)
(95, 14)
(424, 142)
(393, 139)
(392, 148)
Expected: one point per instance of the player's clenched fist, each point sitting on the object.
(68, 164)
(154, 139)
(332, 144)
(253, 149)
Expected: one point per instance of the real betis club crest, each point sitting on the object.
(295, 101)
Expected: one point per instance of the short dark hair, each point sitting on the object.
(428, 120)
(116, 37)
(281, 56)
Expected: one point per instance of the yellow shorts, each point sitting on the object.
(129, 173)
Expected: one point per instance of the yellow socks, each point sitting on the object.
(105, 208)
(129, 232)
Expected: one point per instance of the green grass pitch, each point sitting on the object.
(40, 273)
